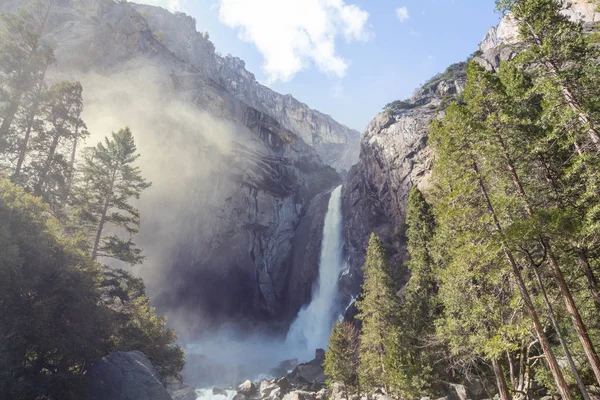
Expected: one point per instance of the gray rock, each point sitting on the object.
(299, 395)
(323, 394)
(308, 373)
(319, 356)
(218, 391)
(248, 161)
(456, 392)
(125, 376)
(284, 385)
(239, 396)
(247, 388)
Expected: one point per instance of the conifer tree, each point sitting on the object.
(465, 177)
(55, 142)
(564, 64)
(378, 311)
(413, 351)
(111, 181)
(341, 358)
(24, 57)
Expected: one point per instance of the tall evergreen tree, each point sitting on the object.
(462, 173)
(341, 358)
(416, 349)
(378, 311)
(111, 181)
(24, 57)
(54, 144)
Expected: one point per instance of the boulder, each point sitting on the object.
(284, 385)
(307, 373)
(247, 388)
(456, 392)
(268, 389)
(299, 395)
(323, 394)
(239, 396)
(125, 376)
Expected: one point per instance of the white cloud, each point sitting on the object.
(293, 34)
(171, 5)
(402, 13)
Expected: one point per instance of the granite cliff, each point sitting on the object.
(240, 173)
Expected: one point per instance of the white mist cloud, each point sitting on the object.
(293, 34)
(402, 14)
(171, 5)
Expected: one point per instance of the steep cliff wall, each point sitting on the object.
(335, 143)
(235, 166)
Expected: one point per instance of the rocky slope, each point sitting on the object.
(335, 143)
(235, 166)
(394, 154)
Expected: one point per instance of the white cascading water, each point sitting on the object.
(312, 326)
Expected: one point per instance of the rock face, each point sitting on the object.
(125, 376)
(337, 144)
(501, 42)
(394, 155)
(236, 168)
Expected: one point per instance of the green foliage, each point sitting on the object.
(136, 324)
(111, 181)
(59, 310)
(378, 310)
(341, 358)
(51, 322)
(399, 105)
(453, 72)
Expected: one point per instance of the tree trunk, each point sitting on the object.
(580, 327)
(38, 190)
(23, 150)
(30, 119)
(591, 277)
(552, 363)
(500, 380)
(72, 164)
(563, 343)
(103, 216)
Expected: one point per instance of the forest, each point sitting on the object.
(65, 212)
(502, 243)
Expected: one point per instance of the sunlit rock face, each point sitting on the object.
(501, 43)
(336, 144)
(236, 168)
(394, 155)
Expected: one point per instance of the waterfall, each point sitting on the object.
(312, 326)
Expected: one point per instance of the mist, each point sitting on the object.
(193, 160)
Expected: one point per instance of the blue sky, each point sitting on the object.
(346, 58)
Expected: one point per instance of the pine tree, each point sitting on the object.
(378, 310)
(564, 64)
(414, 347)
(24, 58)
(55, 143)
(110, 181)
(465, 177)
(341, 358)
